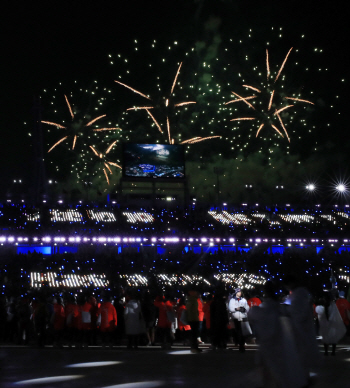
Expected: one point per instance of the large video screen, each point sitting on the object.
(153, 161)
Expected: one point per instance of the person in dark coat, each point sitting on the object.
(149, 315)
(219, 320)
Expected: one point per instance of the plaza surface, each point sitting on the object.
(150, 367)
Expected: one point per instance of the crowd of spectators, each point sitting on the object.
(194, 221)
(315, 268)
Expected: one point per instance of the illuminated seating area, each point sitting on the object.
(298, 218)
(101, 216)
(115, 221)
(138, 217)
(51, 279)
(70, 215)
(227, 218)
(76, 281)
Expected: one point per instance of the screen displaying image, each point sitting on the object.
(153, 161)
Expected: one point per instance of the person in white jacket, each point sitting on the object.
(332, 328)
(132, 318)
(238, 310)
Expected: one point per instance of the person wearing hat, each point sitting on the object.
(238, 309)
(344, 309)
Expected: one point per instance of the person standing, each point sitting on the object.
(254, 301)
(108, 321)
(200, 318)
(149, 315)
(58, 321)
(344, 309)
(206, 309)
(218, 320)
(71, 314)
(183, 326)
(193, 319)
(132, 319)
(86, 318)
(165, 310)
(300, 312)
(40, 317)
(238, 308)
(332, 328)
(277, 355)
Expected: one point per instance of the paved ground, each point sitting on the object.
(149, 367)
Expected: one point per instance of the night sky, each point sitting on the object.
(45, 43)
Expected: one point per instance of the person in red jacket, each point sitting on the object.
(108, 319)
(165, 310)
(58, 321)
(206, 311)
(72, 314)
(254, 301)
(201, 318)
(84, 322)
(344, 309)
(94, 314)
(184, 327)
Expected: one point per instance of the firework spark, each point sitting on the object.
(282, 125)
(244, 118)
(259, 129)
(110, 147)
(106, 129)
(276, 129)
(168, 128)
(299, 99)
(94, 120)
(109, 169)
(95, 152)
(134, 90)
(175, 79)
(252, 87)
(185, 103)
(199, 139)
(155, 121)
(190, 140)
(267, 64)
(243, 99)
(115, 164)
(54, 124)
(141, 107)
(282, 109)
(56, 144)
(271, 98)
(240, 99)
(69, 107)
(106, 175)
(284, 62)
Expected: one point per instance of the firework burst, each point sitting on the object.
(166, 106)
(106, 163)
(273, 101)
(75, 129)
